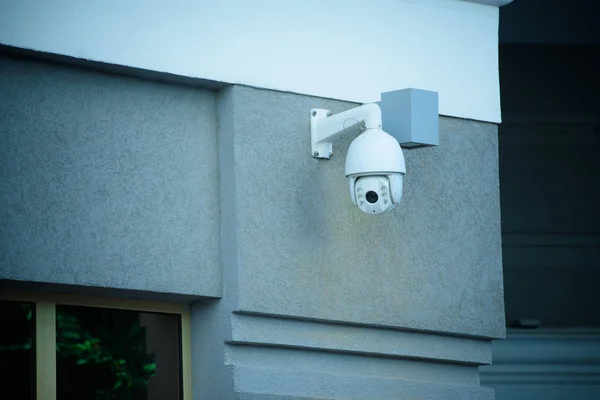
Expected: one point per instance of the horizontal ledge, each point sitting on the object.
(546, 349)
(550, 240)
(329, 362)
(573, 333)
(550, 257)
(553, 117)
(358, 324)
(19, 288)
(110, 68)
(318, 385)
(550, 250)
(548, 374)
(354, 339)
(264, 396)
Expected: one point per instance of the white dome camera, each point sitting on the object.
(375, 164)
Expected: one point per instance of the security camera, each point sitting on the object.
(375, 164)
(375, 168)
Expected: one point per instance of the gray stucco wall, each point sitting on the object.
(107, 181)
(323, 301)
(115, 182)
(304, 250)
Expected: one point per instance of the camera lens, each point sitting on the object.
(372, 197)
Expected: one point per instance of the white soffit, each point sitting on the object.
(344, 49)
(495, 3)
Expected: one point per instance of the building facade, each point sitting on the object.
(167, 160)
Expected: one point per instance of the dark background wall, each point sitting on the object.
(549, 145)
(550, 162)
(555, 22)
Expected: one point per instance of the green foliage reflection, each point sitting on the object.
(101, 354)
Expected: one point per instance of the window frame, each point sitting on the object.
(45, 331)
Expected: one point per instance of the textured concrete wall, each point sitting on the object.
(107, 181)
(304, 250)
(115, 182)
(323, 301)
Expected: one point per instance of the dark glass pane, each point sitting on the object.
(116, 354)
(17, 356)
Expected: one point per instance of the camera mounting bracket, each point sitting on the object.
(326, 128)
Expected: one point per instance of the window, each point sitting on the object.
(62, 347)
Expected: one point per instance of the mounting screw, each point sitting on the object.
(315, 154)
(329, 113)
(314, 113)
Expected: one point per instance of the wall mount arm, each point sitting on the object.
(326, 128)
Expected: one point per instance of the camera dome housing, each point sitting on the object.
(374, 151)
(375, 168)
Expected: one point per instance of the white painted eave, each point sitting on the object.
(495, 3)
(351, 51)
